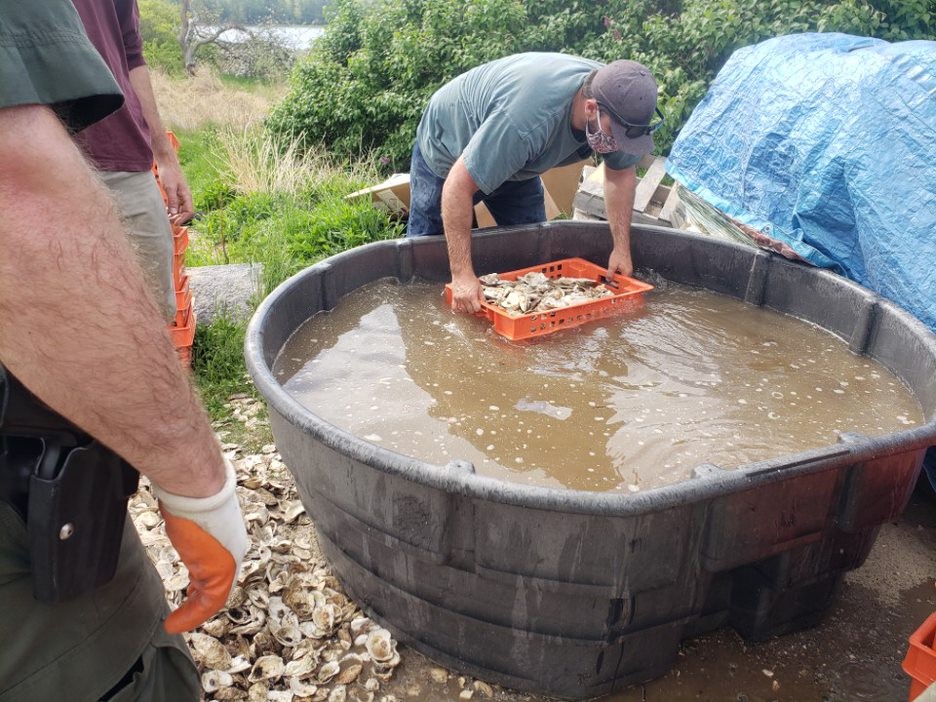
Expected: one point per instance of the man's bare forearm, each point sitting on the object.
(456, 213)
(78, 325)
(178, 194)
(457, 197)
(619, 189)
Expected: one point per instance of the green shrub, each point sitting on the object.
(251, 208)
(214, 195)
(335, 225)
(906, 19)
(362, 88)
(160, 23)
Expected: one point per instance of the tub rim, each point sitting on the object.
(458, 476)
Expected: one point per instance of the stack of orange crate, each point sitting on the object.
(182, 328)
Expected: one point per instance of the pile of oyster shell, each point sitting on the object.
(289, 633)
(534, 292)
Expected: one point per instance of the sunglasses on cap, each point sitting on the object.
(633, 131)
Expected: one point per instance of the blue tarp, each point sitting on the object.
(827, 142)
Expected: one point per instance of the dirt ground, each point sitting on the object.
(854, 654)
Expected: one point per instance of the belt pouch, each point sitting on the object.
(75, 522)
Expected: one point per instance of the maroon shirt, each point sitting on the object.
(120, 142)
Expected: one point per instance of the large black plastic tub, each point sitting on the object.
(573, 593)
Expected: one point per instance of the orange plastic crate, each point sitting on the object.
(183, 295)
(180, 240)
(184, 334)
(183, 314)
(627, 295)
(920, 661)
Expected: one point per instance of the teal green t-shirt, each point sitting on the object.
(509, 119)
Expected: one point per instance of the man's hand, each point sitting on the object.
(209, 534)
(620, 262)
(619, 191)
(467, 295)
(178, 194)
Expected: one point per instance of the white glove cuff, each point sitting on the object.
(192, 507)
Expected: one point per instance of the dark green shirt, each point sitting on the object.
(46, 59)
(510, 119)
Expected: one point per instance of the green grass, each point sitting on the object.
(220, 372)
(218, 362)
(262, 202)
(251, 84)
(198, 156)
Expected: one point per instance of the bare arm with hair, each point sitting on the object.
(79, 328)
(619, 189)
(457, 212)
(170, 172)
(77, 324)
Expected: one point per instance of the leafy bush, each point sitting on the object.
(160, 23)
(361, 90)
(214, 195)
(333, 226)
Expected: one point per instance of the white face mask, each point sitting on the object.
(600, 142)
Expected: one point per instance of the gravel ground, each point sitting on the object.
(290, 634)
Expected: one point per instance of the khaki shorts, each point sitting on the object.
(144, 215)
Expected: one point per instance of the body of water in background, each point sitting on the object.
(294, 37)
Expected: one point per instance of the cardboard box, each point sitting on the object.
(561, 184)
(559, 187)
(483, 216)
(393, 195)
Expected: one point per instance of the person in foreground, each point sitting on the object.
(80, 329)
(489, 133)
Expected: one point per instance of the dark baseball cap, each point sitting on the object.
(628, 91)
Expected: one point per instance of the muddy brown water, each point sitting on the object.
(622, 404)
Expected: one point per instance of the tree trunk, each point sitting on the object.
(186, 36)
(190, 39)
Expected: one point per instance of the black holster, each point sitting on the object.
(69, 488)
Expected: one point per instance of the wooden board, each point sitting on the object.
(648, 184)
(669, 206)
(654, 203)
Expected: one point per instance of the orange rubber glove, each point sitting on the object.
(209, 534)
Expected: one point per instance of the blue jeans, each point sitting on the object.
(514, 202)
